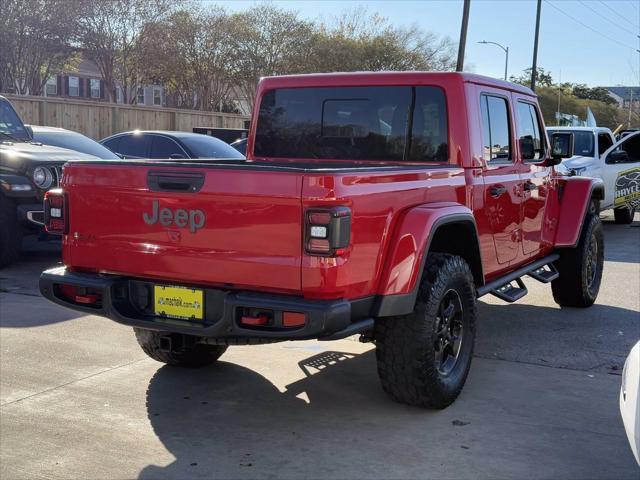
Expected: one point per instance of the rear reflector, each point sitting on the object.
(293, 319)
(319, 246)
(79, 295)
(261, 319)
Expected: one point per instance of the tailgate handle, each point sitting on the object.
(175, 182)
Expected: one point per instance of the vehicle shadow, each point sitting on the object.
(228, 421)
(21, 305)
(228, 418)
(23, 275)
(32, 310)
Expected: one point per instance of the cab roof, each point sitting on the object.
(580, 129)
(354, 79)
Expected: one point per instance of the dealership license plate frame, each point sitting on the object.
(181, 305)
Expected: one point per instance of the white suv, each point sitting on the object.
(598, 155)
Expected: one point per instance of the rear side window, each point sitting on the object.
(429, 127)
(529, 130)
(163, 147)
(583, 142)
(113, 144)
(604, 142)
(496, 131)
(354, 123)
(134, 145)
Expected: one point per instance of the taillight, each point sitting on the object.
(327, 231)
(55, 212)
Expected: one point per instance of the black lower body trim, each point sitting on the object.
(128, 301)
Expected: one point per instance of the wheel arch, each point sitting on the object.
(448, 228)
(576, 196)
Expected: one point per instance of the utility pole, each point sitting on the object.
(463, 35)
(559, 92)
(630, 103)
(534, 66)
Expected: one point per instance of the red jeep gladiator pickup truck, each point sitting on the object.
(376, 203)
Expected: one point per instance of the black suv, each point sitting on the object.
(27, 170)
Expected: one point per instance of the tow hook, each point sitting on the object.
(166, 344)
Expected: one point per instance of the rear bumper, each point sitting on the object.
(127, 301)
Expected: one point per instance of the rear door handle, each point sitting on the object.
(497, 190)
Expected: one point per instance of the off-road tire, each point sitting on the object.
(193, 355)
(10, 232)
(573, 287)
(624, 215)
(406, 349)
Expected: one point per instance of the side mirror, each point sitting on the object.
(561, 146)
(619, 156)
(527, 148)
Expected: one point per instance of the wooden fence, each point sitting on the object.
(99, 120)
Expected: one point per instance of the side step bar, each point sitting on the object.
(545, 275)
(503, 287)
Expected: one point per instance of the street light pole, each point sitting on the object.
(506, 51)
(506, 62)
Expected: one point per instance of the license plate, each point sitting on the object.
(178, 302)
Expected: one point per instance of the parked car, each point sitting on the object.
(333, 227)
(27, 171)
(60, 137)
(596, 154)
(630, 400)
(166, 144)
(240, 145)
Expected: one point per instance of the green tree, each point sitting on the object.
(596, 93)
(543, 78)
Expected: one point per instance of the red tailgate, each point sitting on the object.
(251, 236)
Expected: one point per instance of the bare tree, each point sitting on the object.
(360, 41)
(270, 41)
(193, 53)
(109, 32)
(34, 42)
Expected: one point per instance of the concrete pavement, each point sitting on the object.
(78, 399)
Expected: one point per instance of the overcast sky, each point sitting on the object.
(589, 41)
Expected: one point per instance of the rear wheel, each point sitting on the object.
(177, 349)
(624, 215)
(580, 268)
(424, 357)
(10, 232)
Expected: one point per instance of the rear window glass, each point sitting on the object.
(583, 142)
(203, 146)
(354, 123)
